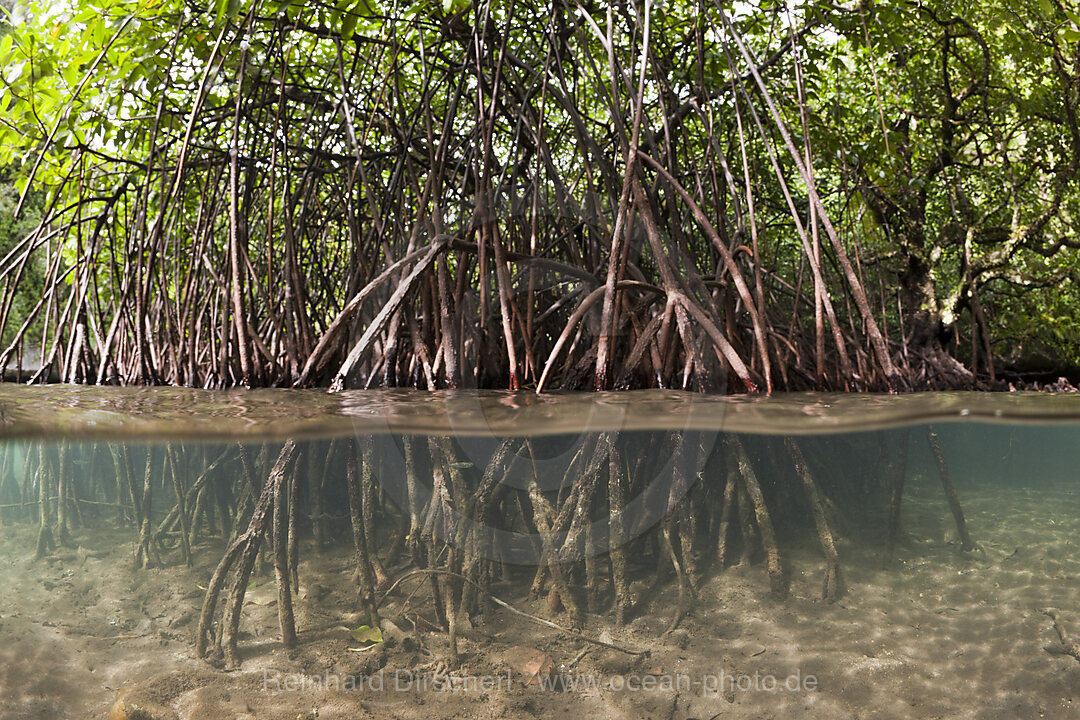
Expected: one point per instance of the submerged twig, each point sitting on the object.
(1068, 646)
(503, 604)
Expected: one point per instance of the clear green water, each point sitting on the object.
(670, 523)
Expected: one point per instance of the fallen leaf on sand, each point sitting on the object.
(531, 663)
(366, 634)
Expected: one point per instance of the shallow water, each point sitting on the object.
(919, 622)
(132, 413)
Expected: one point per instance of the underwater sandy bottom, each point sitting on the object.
(938, 635)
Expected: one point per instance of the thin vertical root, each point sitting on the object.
(777, 578)
(966, 543)
(833, 585)
(683, 583)
(242, 553)
(898, 468)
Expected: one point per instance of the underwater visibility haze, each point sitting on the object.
(176, 553)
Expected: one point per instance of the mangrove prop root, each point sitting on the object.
(898, 469)
(213, 590)
(412, 483)
(196, 496)
(683, 601)
(181, 503)
(577, 511)
(681, 499)
(451, 626)
(726, 513)
(748, 530)
(294, 533)
(544, 516)
(242, 553)
(950, 491)
(315, 495)
(200, 513)
(146, 555)
(45, 542)
(248, 493)
(230, 625)
(449, 482)
(585, 489)
(62, 491)
(474, 534)
(286, 620)
(426, 559)
(257, 527)
(365, 572)
(833, 586)
(617, 485)
(777, 578)
(368, 496)
(539, 577)
(592, 572)
(437, 517)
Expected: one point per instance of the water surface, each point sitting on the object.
(167, 412)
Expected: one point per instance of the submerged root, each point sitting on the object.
(726, 514)
(625, 502)
(367, 503)
(898, 469)
(966, 543)
(365, 571)
(243, 553)
(777, 578)
(282, 574)
(617, 483)
(683, 584)
(550, 566)
(45, 542)
(146, 553)
(833, 584)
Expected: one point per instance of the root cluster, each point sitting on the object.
(602, 522)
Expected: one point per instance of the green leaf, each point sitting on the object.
(366, 634)
(1075, 17)
(348, 26)
(1070, 34)
(1047, 7)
